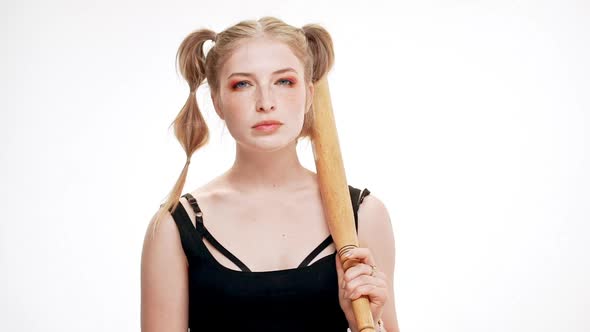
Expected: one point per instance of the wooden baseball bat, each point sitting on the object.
(334, 191)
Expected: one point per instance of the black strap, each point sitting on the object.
(364, 194)
(203, 231)
(200, 226)
(188, 233)
(355, 206)
(357, 203)
(316, 251)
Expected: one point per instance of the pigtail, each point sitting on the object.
(321, 50)
(189, 125)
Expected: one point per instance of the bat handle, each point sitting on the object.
(361, 306)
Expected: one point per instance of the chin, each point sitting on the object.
(268, 144)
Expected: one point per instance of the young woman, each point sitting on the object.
(251, 250)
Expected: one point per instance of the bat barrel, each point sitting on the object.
(334, 191)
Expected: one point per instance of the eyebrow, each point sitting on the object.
(280, 71)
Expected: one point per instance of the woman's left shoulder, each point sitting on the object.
(372, 207)
(374, 220)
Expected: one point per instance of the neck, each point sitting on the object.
(260, 171)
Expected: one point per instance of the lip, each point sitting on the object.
(268, 123)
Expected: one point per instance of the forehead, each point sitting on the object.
(261, 56)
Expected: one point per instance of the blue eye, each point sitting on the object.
(288, 82)
(239, 84)
(244, 84)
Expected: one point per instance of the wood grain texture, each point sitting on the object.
(334, 191)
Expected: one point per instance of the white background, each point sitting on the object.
(468, 119)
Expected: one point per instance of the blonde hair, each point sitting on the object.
(311, 44)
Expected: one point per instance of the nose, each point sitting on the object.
(265, 102)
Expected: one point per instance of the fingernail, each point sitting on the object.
(348, 254)
(343, 285)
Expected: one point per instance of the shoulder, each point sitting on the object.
(373, 213)
(164, 281)
(161, 238)
(375, 227)
(216, 189)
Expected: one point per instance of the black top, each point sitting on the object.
(297, 299)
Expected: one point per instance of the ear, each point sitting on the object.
(216, 105)
(309, 101)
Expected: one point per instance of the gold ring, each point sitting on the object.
(373, 269)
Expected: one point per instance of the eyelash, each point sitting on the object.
(235, 86)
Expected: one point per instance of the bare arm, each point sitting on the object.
(164, 279)
(376, 233)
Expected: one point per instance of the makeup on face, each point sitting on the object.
(238, 83)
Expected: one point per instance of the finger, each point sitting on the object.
(364, 280)
(376, 294)
(362, 254)
(340, 272)
(357, 270)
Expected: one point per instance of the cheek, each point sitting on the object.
(235, 107)
(294, 99)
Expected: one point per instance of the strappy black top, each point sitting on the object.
(297, 299)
